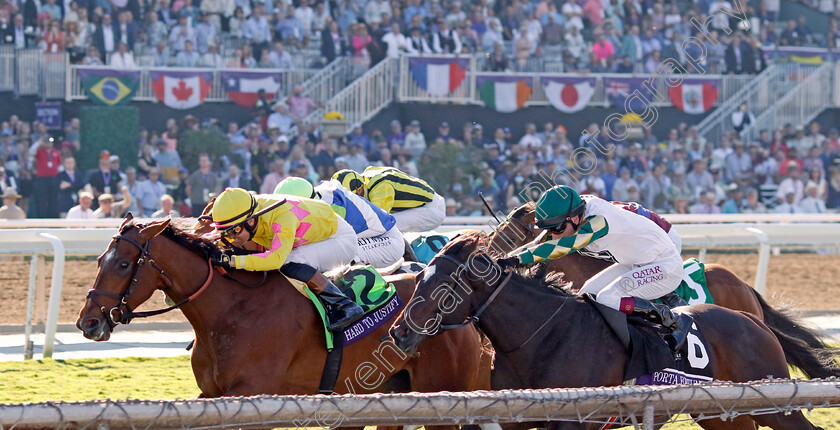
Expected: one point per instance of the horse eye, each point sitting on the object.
(123, 264)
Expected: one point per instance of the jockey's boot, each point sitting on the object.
(341, 311)
(678, 324)
(673, 300)
(409, 254)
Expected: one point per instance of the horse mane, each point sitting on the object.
(536, 276)
(179, 231)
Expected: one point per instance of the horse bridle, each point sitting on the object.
(474, 317)
(125, 313)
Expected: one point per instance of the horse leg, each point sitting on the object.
(729, 291)
(202, 366)
(741, 423)
(780, 421)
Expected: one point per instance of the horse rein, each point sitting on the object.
(125, 313)
(474, 317)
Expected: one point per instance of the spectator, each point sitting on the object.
(530, 139)
(621, 188)
(490, 38)
(740, 57)
(812, 203)
(122, 59)
(333, 43)
(396, 43)
(279, 57)
(735, 200)
(574, 43)
(18, 35)
(631, 45)
(274, 177)
(211, 58)
(699, 179)
(205, 34)
(791, 185)
(106, 37)
(355, 158)
(201, 184)
(790, 35)
(300, 106)
(165, 157)
(415, 141)
(280, 119)
(417, 41)
(497, 61)
(833, 184)
(125, 29)
(375, 9)
(54, 38)
(573, 15)
(706, 205)
(305, 15)
(82, 210)
(187, 57)
(751, 204)
(236, 24)
(167, 207)
(655, 187)
(47, 162)
(149, 193)
(320, 18)
(603, 50)
(788, 205)
(258, 30)
(70, 183)
(10, 209)
(738, 163)
(110, 209)
(161, 56)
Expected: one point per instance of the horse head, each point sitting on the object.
(122, 282)
(451, 292)
(515, 231)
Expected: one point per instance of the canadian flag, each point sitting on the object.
(694, 97)
(569, 94)
(181, 90)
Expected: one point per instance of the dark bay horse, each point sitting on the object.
(547, 337)
(261, 340)
(726, 289)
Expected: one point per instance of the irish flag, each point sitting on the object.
(438, 76)
(694, 96)
(505, 94)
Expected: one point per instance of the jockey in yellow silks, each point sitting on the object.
(414, 204)
(302, 237)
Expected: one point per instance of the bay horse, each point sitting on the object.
(548, 337)
(261, 340)
(726, 289)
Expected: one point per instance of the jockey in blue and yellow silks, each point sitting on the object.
(302, 237)
(380, 242)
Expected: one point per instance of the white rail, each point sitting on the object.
(367, 95)
(726, 400)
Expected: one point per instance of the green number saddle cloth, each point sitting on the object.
(693, 288)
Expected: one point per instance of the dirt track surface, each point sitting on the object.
(806, 281)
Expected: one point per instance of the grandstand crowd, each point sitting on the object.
(788, 170)
(524, 35)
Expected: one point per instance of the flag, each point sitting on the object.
(504, 93)
(242, 87)
(181, 90)
(569, 95)
(619, 90)
(108, 86)
(438, 76)
(694, 96)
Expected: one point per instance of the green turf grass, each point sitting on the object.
(154, 378)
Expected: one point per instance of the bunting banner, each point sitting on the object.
(109, 86)
(694, 96)
(438, 76)
(629, 94)
(181, 90)
(569, 95)
(505, 94)
(243, 87)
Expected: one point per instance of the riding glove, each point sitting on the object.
(222, 260)
(508, 262)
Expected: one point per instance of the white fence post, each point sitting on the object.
(55, 292)
(30, 305)
(763, 259)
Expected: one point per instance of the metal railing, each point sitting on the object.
(799, 105)
(468, 93)
(368, 95)
(760, 94)
(328, 81)
(7, 68)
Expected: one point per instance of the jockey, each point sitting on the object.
(301, 237)
(647, 264)
(380, 242)
(656, 218)
(414, 204)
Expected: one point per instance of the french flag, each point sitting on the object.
(438, 76)
(243, 87)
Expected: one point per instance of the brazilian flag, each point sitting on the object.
(109, 87)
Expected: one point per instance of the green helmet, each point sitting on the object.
(296, 187)
(557, 205)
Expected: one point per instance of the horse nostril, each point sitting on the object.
(91, 323)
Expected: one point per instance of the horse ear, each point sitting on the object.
(154, 229)
(127, 219)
